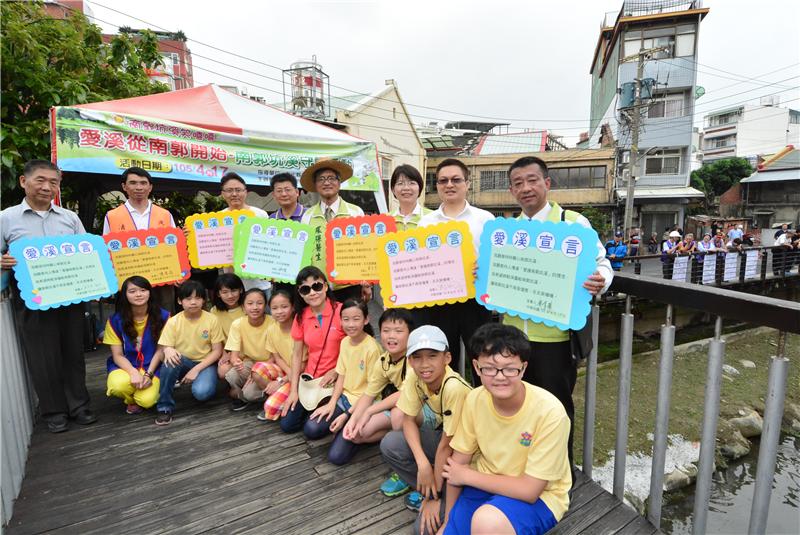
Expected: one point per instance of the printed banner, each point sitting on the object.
(94, 141)
(210, 237)
(731, 272)
(158, 255)
(427, 266)
(710, 269)
(680, 268)
(751, 264)
(54, 271)
(350, 246)
(271, 249)
(536, 270)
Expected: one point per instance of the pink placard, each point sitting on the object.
(215, 246)
(417, 277)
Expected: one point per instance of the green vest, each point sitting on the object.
(316, 218)
(539, 332)
(413, 221)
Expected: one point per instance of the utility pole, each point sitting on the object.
(635, 125)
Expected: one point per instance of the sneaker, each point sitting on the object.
(239, 405)
(262, 417)
(413, 501)
(133, 408)
(164, 418)
(394, 486)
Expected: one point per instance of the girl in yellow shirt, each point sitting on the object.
(227, 298)
(358, 353)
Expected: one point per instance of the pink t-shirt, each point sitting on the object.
(320, 359)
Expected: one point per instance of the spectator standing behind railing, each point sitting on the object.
(719, 241)
(616, 251)
(783, 253)
(668, 251)
(652, 245)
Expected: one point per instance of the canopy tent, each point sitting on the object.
(201, 133)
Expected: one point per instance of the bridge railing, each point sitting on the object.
(782, 315)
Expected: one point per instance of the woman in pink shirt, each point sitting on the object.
(318, 327)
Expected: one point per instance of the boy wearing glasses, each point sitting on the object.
(517, 434)
(430, 399)
(458, 320)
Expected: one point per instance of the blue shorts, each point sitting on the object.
(526, 518)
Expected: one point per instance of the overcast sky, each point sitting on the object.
(525, 62)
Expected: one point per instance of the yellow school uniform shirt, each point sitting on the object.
(250, 341)
(227, 317)
(446, 404)
(281, 343)
(384, 372)
(192, 339)
(532, 442)
(355, 362)
(110, 337)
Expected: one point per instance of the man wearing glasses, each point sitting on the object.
(325, 177)
(458, 320)
(286, 194)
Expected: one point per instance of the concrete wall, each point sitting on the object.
(761, 130)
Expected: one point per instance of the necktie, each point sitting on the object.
(328, 214)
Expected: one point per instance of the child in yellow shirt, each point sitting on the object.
(358, 353)
(247, 343)
(192, 342)
(518, 432)
(228, 296)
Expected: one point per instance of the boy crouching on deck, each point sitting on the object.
(519, 433)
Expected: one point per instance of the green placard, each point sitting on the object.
(274, 249)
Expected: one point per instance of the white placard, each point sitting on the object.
(680, 268)
(710, 269)
(751, 264)
(731, 266)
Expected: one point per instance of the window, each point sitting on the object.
(719, 142)
(667, 105)
(677, 42)
(430, 182)
(386, 168)
(494, 179)
(578, 177)
(724, 118)
(175, 59)
(663, 162)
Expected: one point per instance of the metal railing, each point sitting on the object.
(724, 304)
(18, 411)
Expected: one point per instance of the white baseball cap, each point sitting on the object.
(426, 337)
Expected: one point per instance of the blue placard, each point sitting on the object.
(54, 271)
(536, 269)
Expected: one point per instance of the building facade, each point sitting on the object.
(748, 131)
(670, 30)
(579, 178)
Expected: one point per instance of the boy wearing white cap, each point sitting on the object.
(430, 399)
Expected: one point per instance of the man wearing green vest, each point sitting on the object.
(552, 365)
(325, 177)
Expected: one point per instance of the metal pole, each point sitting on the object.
(623, 400)
(708, 442)
(591, 395)
(637, 114)
(662, 420)
(770, 436)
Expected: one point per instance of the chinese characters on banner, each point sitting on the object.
(350, 245)
(731, 266)
(751, 264)
(536, 269)
(54, 271)
(710, 269)
(272, 249)
(426, 266)
(210, 238)
(680, 268)
(158, 255)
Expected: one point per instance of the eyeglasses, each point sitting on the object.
(233, 190)
(405, 183)
(454, 181)
(327, 179)
(491, 371)
(306, 289)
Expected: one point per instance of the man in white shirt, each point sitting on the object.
(458, 321)
(553, 362)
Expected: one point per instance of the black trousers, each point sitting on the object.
(52, 342)
(553, 368)
(458, 321)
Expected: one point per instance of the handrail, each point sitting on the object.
(754, 309)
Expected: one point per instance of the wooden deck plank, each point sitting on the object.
(214, 471)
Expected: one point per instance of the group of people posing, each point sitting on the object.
(490, 452)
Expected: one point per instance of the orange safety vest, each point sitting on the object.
(120, 219)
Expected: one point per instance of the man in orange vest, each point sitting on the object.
(138, 212)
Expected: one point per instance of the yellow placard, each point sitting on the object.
(427, 266)
(210, 239)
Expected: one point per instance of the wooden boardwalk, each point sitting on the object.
(215, 471)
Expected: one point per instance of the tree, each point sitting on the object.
(717, 177)
(601, 221)
(52, 62)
